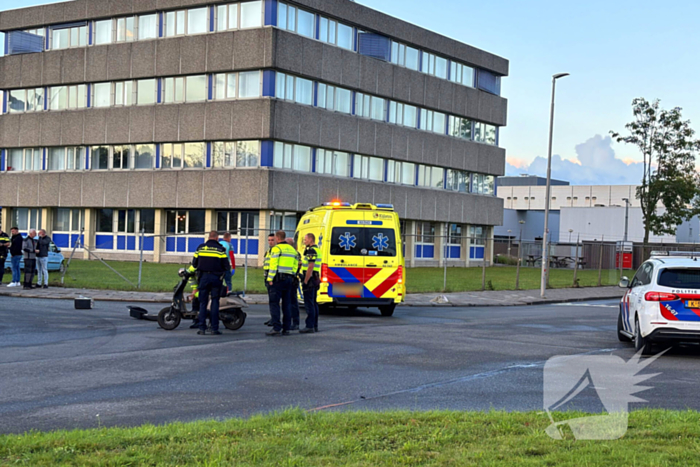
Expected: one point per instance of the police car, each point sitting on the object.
(662, 301)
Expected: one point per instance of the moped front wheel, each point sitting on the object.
(169, 318)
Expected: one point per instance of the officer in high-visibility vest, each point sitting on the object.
(280, 280)
(311, 268)
(211, 263)
(271, 242)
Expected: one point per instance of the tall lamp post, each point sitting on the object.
(545, 252)
(509, 231)
(627, 216)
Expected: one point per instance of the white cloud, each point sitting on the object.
(595, 164)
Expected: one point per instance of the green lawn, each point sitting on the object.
(295, 438)
(162, 277)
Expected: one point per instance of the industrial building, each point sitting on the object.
(174, 117)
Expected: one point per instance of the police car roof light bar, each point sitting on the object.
(677, 254)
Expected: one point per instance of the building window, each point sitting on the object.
(124, 93)
(182, 22)
(402, 173)
(333, 32)
(460, 127)
(425, 232)
(244, 85)
(227, 221)
(68, 97)
(292, 88)
(368, 168)
(484, 133)
(286, 221)
(68, 220)
(104, 32)
(185, 89)
(405, 56)
(434, 65)
(478, 234)
(251, 14)
(458, 180)
(431, 177)
(236, 154)
(433, 121)
(484, 185)
(184, 222)
(333, 163)
(144, 156)
(296, 20)
(26, 219)
(64, 158)
(335, 98)
(462, 74)
(146, 92)
(403, 114)
(454, 234)
(25, 100)
(65, 38)
(370, 107)
(102, 95)
(292, 157)
(24, 160)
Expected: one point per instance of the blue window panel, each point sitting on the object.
(208, 155)
(160, 24)
(170, 244)
(131, 243)
(269, 79)
(4, 102)
(270, 12)
(87, 150)
(252, 246)
(419, 251)
(267, 153)
(148, 243)
(476, 252)
(2, 160)
(210, 87)
(157, 156)
(121, 242)
(428, 251)
(43, 159)
(489, 82)
(234, 245)
(374, 45)
(386, 170)
(159, 97)
(211, 19)
(20, 42)
(104, 242)
(313, 160)
(90, 40)
(61, 240)
(74, 238)
(193, 244)
(454, 252)
(7, 45)
(181, 245)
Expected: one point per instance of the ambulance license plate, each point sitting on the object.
(340, 290)
(692, 304)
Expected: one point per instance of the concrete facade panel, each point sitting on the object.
(347, 191)
(219, 118)
(327, 189)
(97, 8)
(368, 74)
(141, 124)
(399, 143)
(307, 192)
(141, 189)
(415, 146)
(119, 61)
(312, 58)
(215, 189)
(385, 78)
(399, 196)
(220, 52)
(96, 59)
(70, 190)
(350, 69)
(116, 189)
(8, 194)
(31, 72)
(366, 137)
(51, 129)
(117, 125)
(418, 88)
(143, 62)
(121, 7)
(94, 189)
(189, 188)
(288, 52)
(28, 190)
(52, 70)
(192, 119)
(286, 123)
(167, 122)
(193, 54)
(309, 125)
(248, 189)
(72, 128)
(12, 76)
(284, 188)
(349, 134)
(30, 130)
(429, 202)
(49, 189)
(73, 66)
(75, 10)
(381, 193)
(96, 126)
(168, 56)
(413, 204)
(444, 151)
(53, 13)
(9, 131)
(249, 121)
(383, 140)
(165, 189)
(330, 131)
(332, 64)
(402, 84)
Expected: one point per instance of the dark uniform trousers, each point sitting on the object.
(210, 285)
(282, 288)
(311, 303)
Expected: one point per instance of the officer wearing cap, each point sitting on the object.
(212, 264)
(311, 268)
(280, 280)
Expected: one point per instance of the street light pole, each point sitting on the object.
(509, 231)
(570, 232)
(627, 216)
(545, 253)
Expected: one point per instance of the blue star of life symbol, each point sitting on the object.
(320, 241)
(380, 242)
(347, 241)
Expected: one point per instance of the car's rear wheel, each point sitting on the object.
(642, 344)
(620, 336)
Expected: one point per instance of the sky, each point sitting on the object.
(615, 50)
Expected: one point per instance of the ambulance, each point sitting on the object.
(363, 263)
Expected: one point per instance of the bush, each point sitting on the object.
(503, 259)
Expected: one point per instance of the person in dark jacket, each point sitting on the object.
(43, 246)
(16, 252)
(212, 264)
(29, 250)
(4, 246)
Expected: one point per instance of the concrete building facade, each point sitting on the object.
(175, 117)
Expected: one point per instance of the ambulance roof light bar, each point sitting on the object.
(337, 204)
(385, 206)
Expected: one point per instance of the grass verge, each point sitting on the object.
(295, 438)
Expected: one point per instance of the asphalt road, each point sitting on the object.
(66, 368)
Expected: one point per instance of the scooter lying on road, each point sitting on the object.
(230, 310)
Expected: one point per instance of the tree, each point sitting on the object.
(670, 177)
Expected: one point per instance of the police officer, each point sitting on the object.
(295, 294)
(280, 280)
(271, 242)
(211, 263)
(311, 268)
(4, 245)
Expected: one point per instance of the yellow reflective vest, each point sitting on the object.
(283, 260)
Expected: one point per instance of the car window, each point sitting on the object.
(363, 241)
(680, 278)
(648, 274)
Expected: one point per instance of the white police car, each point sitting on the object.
(662, 302)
